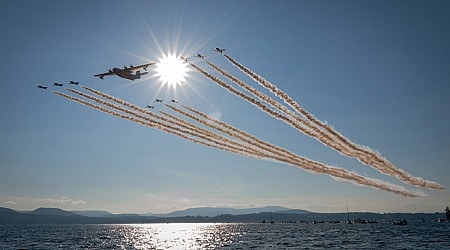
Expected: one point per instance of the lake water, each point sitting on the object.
(416, 235)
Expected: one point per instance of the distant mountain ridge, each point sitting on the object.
(195, 215)
(52, 211)
(211, 211)
(93, 213)
(7, 211)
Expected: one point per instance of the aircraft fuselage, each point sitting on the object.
(126, 74)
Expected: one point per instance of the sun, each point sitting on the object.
(172, 70)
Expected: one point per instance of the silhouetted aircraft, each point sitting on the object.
(127, 72)
(150, 106)
(72, 82)
(174, 101)
(219, 50)
(158, 100)
(184, 58)
(42, 87)
(200, 56)
(58, 84)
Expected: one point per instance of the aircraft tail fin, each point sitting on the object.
(139, 74)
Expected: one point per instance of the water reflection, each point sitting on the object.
(426, 235)
(175, 236)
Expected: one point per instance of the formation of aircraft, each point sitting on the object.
(55, 84)
(218, 50)
(130, 73)
(133, 73)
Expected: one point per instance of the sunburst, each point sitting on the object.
(172, 70)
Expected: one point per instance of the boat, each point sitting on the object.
(400, 222)
(348, 216)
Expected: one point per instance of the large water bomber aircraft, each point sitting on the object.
(127, 72)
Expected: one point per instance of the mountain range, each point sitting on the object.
(202, 214)
(211, 212)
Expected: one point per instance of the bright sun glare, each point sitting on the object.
(171, 70)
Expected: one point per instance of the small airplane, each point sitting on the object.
(127, 72)
(158, 100)
(150, 106)
(219, 50)
(174, 101)
(42, 87)
(184, 58)
(72, 82)
(58, 84)
(200, 56)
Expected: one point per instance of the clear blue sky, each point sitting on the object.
(378, 71)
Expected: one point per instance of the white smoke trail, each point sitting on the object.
(194, 130)
(332, 171)
(283, 155)
(329, 141)
(282, 108)
(161, 126)
(269, 111)
(371, 158)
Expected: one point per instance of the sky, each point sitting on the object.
(377, 71)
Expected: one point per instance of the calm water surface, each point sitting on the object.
(419, 235)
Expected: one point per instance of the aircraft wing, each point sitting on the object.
(104, 74)
(136, 68)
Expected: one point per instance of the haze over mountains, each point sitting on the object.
(211, 212)
(202, 214)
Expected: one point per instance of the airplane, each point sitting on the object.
(72, 82)
(42, 87)
(184, 58)
(150, 106)
(219, 50)
(174, 101)
(200, 56)
(58, 84)
(158, 100)
(127, 72)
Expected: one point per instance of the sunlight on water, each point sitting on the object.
(172, 236)
(427, 235)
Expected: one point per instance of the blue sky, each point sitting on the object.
(378, 71)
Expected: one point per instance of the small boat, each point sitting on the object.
(400, 222)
